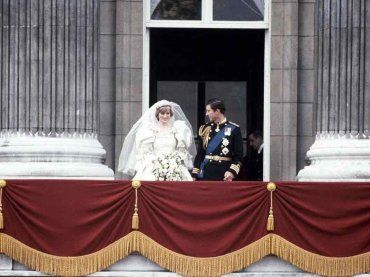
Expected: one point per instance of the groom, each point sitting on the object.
(220, 149)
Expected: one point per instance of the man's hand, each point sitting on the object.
(194, 179)
(228, 176)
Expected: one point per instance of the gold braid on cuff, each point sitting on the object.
(235, 167)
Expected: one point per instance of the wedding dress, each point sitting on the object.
(152, 143)
(156, 151)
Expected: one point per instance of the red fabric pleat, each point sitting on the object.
(330, 219)
(66, 217)
(203, 219)
(200, 219)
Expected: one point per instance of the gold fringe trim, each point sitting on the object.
(182, 264)
(317, 264)
(194, 266)
(66, 266)
(133, 242)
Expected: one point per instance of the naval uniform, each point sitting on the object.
(220, 149)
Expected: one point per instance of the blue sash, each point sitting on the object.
(212, 145)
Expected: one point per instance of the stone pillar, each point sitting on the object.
(341, 150)
(48, 90)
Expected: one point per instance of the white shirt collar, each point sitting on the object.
(260, 149)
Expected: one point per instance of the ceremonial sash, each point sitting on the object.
(212, 145)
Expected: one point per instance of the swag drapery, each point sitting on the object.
(70, 227)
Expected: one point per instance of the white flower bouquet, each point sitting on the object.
(167, 167)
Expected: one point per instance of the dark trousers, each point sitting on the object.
(215, 171)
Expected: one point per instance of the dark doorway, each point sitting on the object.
(188, 66)
(210, 55)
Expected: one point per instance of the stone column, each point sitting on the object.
(48, 90)
(341, 150)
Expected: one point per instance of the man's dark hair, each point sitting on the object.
(256, 134)
(216, 103)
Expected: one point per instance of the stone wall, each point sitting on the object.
(120, 74)
(306, 80)
(292, 85)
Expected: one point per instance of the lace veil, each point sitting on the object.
(127, 159)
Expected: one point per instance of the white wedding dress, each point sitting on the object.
(152, 143)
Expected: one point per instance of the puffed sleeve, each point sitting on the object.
(184, 139)
(183, 134)
(144, 147)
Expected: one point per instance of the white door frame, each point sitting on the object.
(208, 23)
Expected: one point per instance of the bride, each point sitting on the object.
(160, 146)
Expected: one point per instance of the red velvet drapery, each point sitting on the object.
(67, 218)
(194, 223)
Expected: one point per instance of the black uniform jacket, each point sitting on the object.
(252, 167)
(227, 156)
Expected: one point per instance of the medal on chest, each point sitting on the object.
(227, 131)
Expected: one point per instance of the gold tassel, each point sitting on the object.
(1, 220)
(270, 220)
(2, 185)
(135, 220)
(135, 217)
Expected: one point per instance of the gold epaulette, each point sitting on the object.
(200, 131)
(204, 131)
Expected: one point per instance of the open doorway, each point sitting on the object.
(189, 66)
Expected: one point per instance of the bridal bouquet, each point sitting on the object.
(167, 167)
